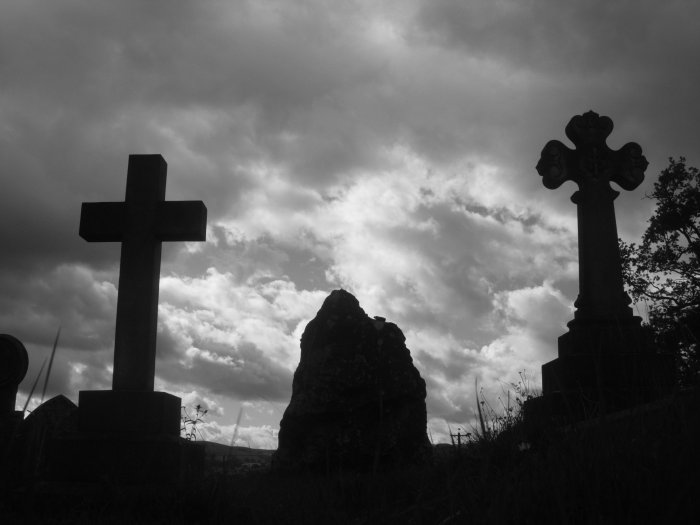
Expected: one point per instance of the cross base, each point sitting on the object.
(126, 438)
(125, 460)
(594, 384)
(605, 335)
(128, 412)
(605, 365)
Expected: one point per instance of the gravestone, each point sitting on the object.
(607, 360)
(131, 433)
(358, 402)
(14, 362)
(13, 367)
(55, 418)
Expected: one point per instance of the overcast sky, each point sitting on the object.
(385, 147)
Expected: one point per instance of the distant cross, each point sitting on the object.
(459, 437)
(592, 165)
(140, 223)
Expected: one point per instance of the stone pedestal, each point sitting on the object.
(605, 365)
(126, 438)
(124, 412)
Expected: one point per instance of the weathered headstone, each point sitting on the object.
(358, 402)
(55, 418)
(13, 367)
(14, 362)
(131, 432)
(606, 360)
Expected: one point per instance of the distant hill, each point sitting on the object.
(219, 454)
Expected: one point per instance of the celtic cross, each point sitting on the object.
(592, 165)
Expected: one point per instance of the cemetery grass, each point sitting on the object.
(637, 469)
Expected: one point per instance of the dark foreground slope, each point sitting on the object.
(638, 469)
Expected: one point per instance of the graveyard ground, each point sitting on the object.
(637, 468)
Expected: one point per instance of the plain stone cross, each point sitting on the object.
(592, 165)
(140, 223)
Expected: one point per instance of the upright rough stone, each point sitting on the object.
(357, 399)
(607, 360)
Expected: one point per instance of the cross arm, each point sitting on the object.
(554, 165)
(181, 221)
(102, 221)
(629, 166)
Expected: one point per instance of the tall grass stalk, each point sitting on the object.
(48, 372)
(31, 392)
(484, 432)
(238, 422)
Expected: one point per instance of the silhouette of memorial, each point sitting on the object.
(358, 402)
(50, 420)
(13, 367)
(606, 360)
(131, 433)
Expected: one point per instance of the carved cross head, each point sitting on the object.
(592, 161)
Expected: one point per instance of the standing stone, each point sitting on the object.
(357, 399)
(607, 360)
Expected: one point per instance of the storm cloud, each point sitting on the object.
(384, 147)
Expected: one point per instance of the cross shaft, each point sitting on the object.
(141, 223)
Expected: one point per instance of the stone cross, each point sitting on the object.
(607, 360)
(592, 165)
(140, 223)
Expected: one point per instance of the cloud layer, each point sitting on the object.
(384, 147)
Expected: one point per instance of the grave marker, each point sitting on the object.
(14, 362)
(607, 359)
(141, 223)
(131, 434)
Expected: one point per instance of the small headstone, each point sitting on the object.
(358, 401)
(13, 367)
(607, 360)
(14, 362)
(55, 418)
